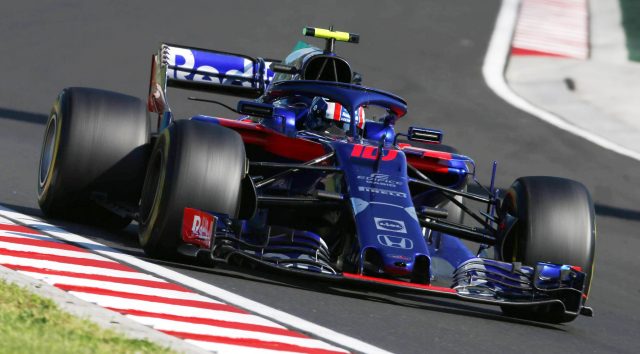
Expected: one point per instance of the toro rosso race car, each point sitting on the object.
(313, 178)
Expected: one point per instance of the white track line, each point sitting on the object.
(224, 295)
(495, 63)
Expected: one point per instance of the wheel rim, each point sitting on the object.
(48, 149)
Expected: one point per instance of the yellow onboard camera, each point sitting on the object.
(331, 34)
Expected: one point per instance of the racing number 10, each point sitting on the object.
(370, 153)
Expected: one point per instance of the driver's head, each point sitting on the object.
(324, 114)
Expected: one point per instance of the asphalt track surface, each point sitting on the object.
(429, 52)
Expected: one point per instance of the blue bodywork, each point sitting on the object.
(375, 230)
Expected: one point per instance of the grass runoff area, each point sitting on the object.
(631, 23)
(33, 324)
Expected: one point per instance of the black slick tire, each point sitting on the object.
(193, 164)
(95, 141)
(556, 224)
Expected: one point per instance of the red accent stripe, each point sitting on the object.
(69, 260)
(42, 243)
(121, 280)
(426, 165)
(151, 298)
(274, 142)
(337, 111)
(531, 52)
(212, 322)
(440, 155)
(254, 343)
(18, 228)
(400, 283)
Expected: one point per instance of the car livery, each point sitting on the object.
(312, 177)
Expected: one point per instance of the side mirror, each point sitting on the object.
(264, 110)
(356, 78)
(429, 136)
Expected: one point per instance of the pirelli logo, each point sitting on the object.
(382, 191)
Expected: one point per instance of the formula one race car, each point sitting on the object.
(312, 178)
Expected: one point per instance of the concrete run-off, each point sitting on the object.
(598, 94)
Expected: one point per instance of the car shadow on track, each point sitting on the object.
(618, 213)
(23, 116)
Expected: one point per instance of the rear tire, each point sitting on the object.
(193, 164)
(95, 141)
(556, 224)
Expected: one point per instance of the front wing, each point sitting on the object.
(554, 288)
(478, 280)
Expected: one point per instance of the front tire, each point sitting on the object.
(556, 224)
(193, 164)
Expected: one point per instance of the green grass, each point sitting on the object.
(32, 324)
(631, 23)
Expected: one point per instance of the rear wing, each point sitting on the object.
(205, 70)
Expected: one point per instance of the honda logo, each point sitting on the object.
(395, 242)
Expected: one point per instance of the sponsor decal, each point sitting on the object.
(371, 153)
(395, 242)
(390, 225)
(197, 227)
(380, 179)
(219, 68)
(382, 191)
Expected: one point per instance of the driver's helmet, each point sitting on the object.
(324, 115)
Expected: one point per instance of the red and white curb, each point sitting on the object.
(98, 274)
(552, 28)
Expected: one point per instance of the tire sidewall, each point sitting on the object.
(44, 187)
